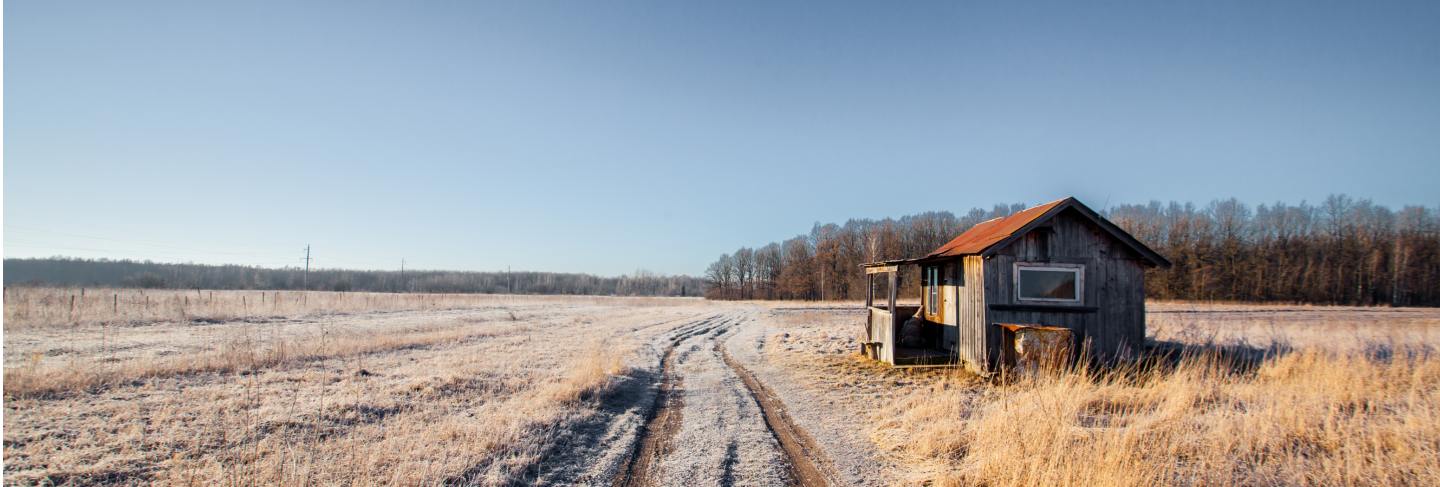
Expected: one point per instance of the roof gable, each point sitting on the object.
(987, 236)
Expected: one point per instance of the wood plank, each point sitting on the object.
(1055, 308)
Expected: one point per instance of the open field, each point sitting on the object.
(431, 389)
(476, 392)
(1348, 396)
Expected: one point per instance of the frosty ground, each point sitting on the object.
(361, 389)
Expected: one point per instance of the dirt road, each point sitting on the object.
(714, 423)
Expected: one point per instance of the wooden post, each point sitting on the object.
(115, 304)
(894, 283)
(869, 290)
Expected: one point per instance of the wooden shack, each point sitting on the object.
(1057, 265)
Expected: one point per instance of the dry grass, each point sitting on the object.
(1263, 326)
(459, 389)
(1347, 396)
(484, 389)
(30, 307)
(1306, 418)
(247, 349)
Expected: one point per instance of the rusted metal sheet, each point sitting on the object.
(1036, 347)
(990, 232)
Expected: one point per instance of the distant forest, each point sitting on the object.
(1341, 251)
(125, 273)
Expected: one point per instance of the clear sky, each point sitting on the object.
(608, 136)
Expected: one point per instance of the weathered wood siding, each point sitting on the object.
(1111, 318)
(882, 330)
(971, 345)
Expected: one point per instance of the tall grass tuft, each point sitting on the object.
(1309, 417)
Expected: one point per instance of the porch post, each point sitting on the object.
(869, 289)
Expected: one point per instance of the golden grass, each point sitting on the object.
(1311, 417)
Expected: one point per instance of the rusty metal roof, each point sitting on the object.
(990, 232)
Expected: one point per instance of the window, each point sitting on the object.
(932, 298)
(1049, 283)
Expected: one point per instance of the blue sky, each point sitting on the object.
(608, 136)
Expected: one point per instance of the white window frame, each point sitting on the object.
(1077, 269)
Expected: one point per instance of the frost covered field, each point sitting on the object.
(429, 389)
(358, 389)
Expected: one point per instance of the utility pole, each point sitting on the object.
(509, 281)
(305, 278)
(822, 283)
(402, 274)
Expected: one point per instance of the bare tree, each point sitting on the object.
(1342, 251)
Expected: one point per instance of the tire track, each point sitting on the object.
(651, 462)
(805, 462)
(657, 433)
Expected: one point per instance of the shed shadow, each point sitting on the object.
(1233, 357)
(570, 450)
(563, 462)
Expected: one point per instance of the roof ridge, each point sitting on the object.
(983, 236)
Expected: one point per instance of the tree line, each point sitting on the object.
(72, 272)
(1340, 251)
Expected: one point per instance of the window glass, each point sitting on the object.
(1057, 284)
(932, 275)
